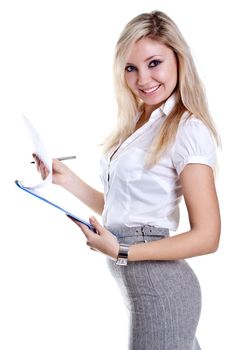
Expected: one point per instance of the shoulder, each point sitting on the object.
(192, 130)
(193, 143)
(192, 124)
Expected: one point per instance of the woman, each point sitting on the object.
(162, 149)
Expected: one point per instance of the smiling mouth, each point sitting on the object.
(151, 90)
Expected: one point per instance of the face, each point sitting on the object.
(151, 72)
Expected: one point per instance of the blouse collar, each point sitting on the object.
(165, 108)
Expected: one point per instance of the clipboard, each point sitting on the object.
(30, 191)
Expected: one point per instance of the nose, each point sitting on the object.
(144, 77)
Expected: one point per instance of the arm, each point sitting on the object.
(85, 193)
(203, 237)
(63, 176)
(202, 204)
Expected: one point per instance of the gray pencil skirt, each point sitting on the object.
(163, 297)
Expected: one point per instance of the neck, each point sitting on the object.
(145, 116)
(148, 109)
(142, 120)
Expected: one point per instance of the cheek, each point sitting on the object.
(169, 75)
(130, 81)
(173, 69)
(174, 77)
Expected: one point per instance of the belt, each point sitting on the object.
(146, 230)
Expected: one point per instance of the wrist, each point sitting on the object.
(68, 179)
(122, 256)
(116, 252)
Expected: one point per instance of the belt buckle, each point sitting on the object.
(143, 234)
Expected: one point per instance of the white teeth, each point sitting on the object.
(151, 89)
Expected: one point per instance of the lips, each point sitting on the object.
(151, 90)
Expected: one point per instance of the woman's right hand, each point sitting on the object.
(60, 171)
(65, 177)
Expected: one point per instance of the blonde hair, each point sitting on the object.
(190, 93)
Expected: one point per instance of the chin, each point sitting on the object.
(155, 102)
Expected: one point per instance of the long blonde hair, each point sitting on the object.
(189, 92)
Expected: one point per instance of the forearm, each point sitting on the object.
(85, 193)
(181, 246)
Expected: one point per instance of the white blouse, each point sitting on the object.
(136, 196)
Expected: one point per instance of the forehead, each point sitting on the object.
(145, 48)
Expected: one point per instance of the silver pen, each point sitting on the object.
(61, 158)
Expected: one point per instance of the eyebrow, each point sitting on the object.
(147, 59)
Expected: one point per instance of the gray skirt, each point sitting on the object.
(163, 297)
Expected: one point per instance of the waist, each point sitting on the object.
(118, 216)
(138, 231)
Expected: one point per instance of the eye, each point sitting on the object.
(130, 69)
(154, 63)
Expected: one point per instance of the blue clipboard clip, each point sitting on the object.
(26, 189)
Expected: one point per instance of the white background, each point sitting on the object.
(56, 67)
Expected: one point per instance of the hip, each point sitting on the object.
(157, 278)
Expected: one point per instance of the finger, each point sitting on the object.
(43, 171)
(37, 161)
(94, 250)
(87, 232)
(39, 164)
(98, 227)
(72, 219)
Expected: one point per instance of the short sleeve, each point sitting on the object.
(193, 144)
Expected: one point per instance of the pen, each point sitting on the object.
(61, 158)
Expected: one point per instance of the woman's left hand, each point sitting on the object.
(102, 241)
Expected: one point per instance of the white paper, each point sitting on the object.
(39, 148)
(32, 180)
